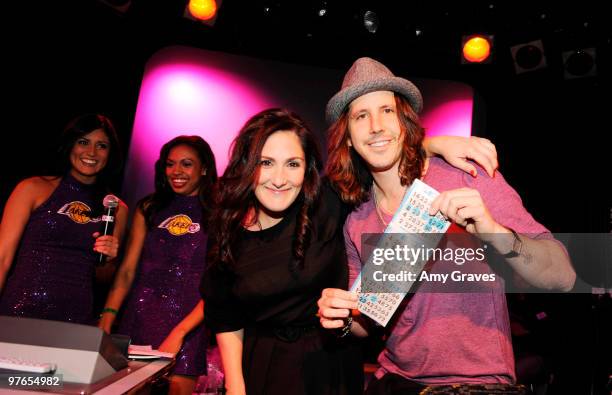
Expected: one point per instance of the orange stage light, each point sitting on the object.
(202, 9)
(476, 49)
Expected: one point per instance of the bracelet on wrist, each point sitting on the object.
(109, 310)
(346, 329)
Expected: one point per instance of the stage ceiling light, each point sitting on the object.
(204, 11)
(528, 56)
(476, 49)
(579, 63)
(370, 21)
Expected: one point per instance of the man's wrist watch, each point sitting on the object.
(517, 246)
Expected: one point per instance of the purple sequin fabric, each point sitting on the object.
(167, 281)
(52, 275)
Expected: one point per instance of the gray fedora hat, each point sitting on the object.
(368, 75)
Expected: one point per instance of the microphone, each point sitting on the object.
(110, 204)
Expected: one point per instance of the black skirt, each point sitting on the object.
(301, 361)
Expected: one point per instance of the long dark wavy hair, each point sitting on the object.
(163, 195)
(235, 197)
(349, 173)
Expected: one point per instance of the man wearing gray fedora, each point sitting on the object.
(436, 339)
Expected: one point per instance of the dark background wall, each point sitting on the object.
(64, 58)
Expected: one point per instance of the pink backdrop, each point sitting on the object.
(212, 94)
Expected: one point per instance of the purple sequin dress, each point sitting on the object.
(166, 286)
(53, 271)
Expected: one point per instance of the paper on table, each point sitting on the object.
(146, 352)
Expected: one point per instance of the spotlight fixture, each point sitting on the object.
(204, 11)
(370, 21)
(579, 63)
(322, 9)
(528, 56)
(476, 48)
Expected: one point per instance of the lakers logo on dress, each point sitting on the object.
(179, 225)
(77, 211)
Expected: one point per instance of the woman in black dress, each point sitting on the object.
(278, 243)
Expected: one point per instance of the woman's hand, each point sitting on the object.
(107, 245)
(334, 306)
(106, 322)
(173, 342)
(457, 151)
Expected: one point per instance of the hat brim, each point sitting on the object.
(337, 104)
